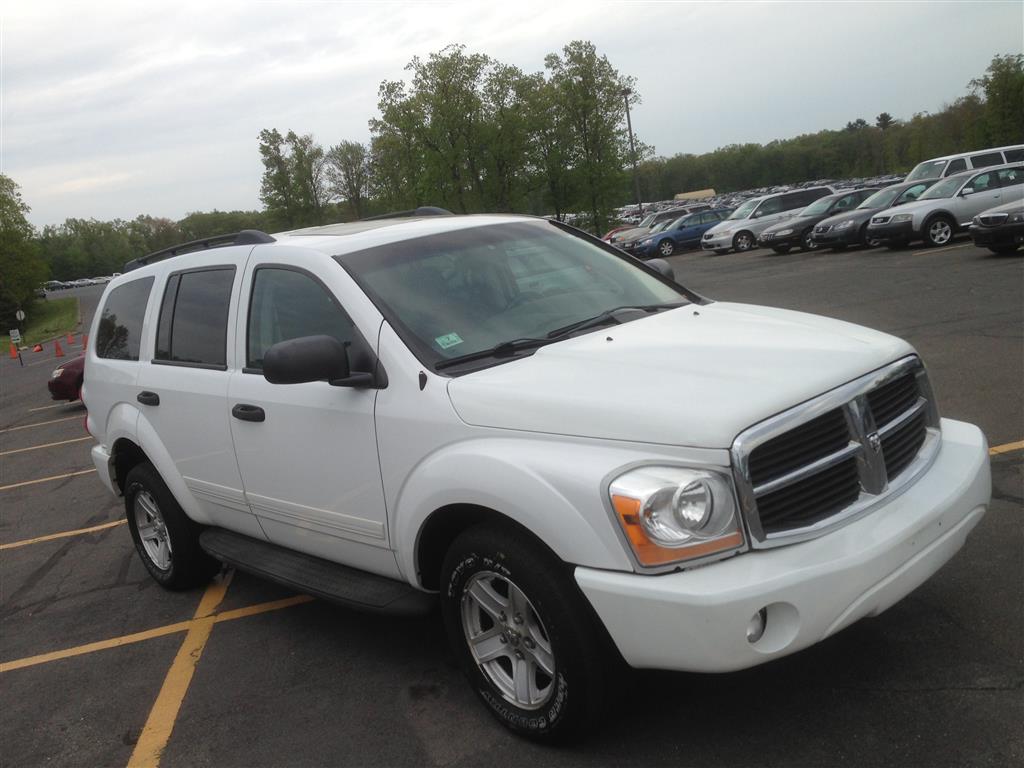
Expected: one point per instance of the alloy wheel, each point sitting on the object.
(156, 541)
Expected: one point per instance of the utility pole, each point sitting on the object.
(626, 93)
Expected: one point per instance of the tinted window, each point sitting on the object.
(119, 334)
(1013, 155)
(912, 193)
(983, 182)
(288, 305)
(987, 159)
(193, 324)
(770, 206)
(931, 169)
(955, 166)
(1010, 177)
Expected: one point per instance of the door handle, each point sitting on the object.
(246, 412)
(148, 398)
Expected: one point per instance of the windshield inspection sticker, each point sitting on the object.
(448, 340)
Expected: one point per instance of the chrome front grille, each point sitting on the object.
(880, 219)
(993, 219)
(827, 461)
(821, 228)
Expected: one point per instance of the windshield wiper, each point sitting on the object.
(608, 316)
(504, 349)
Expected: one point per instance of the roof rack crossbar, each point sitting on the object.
(245, 237)
(423, 210)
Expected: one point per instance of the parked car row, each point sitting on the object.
(59, 285)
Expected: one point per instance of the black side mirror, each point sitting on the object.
(308, 358)
(662, 266)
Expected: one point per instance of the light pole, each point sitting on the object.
(626, 93)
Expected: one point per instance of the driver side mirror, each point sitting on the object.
(661, 266)
(966, 191)
(312, 358)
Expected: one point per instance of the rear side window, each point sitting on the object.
(955, 166)
(1010, 177)
(119, 335)
(987, 159)
(1013, 155)
(193, 327)
(287, 304)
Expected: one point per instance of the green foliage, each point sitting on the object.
(46, 319)
(1003, 86)
(21, 269)
(348, 171)
(294, 184)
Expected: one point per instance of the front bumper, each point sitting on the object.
(900, 232)
(717, 242)
(104, 468)
(771, 240)
(847, 236)
(1005, 234)
(697, 620)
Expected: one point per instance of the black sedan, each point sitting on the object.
(797, 231)
(1000, 229)
(851, 228)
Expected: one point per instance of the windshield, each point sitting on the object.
(932, 169)
(648, 220)
(945, 188)
(882, 198)
(744, 211)
(817, 207)
(470, 289)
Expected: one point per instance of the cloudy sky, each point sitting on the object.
(115, 109)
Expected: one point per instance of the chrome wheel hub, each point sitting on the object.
(508, 640)
(153, 534)
(940, 232)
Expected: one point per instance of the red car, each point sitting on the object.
(66, 380)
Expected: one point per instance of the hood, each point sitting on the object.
(1013, 205)
(693, 376)
(629, 234)
(795, 222)
(858, 215)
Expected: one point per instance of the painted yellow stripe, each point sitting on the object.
(149, 634)
(1007, 448)
(46, 479)
(157, 731)
(46, 445)
(41, 423)
(102, 645)
(61, 535)
(64, 404)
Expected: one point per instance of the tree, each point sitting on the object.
(276, 190)
(884, 121)
(21, 269)
(348, 166)
(1003, 87)
(307, 166)
(589, 89)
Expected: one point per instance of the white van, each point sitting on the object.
(580, 459)
(940, 167)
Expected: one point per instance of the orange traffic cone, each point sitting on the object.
(85, 340)
(37, 348)
(71, 339)
(14, 351)
(58, 352)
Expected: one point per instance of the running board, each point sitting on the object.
(315, 576)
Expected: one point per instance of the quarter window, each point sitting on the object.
(1010, 177)
(1013, 155)
(193, 326)
(287, 304)
(990, 158)
(955, 166)
(119, 334)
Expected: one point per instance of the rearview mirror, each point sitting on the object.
(307, 358)
(662, 266)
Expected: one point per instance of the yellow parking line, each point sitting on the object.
(1007, 448)
(149, 634)
(46, 445)
(46, 479)
(61, 535)
(157, 731)
(40, 424)
(55, 405)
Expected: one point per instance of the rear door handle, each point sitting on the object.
(246, 412)
(148, 398)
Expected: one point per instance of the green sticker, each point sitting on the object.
(448, 340)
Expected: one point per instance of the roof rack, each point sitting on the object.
(245, 237)
(423, 210)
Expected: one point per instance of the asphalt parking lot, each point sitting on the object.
(99, 666)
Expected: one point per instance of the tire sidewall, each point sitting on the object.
(562, 712)
(927, 233)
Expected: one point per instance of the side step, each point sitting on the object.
(315, 576)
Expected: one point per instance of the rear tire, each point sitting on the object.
(165, 538)
(511, 609)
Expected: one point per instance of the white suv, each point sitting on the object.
(579, 458)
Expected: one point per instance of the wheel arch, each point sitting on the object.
(125, 454)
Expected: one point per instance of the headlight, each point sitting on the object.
(648, 241)
(1016, 218)
(845, 224)
(784, 232)
(721, 232)
(672, 514)
(901, 217)
(57, 373)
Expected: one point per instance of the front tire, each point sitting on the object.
(165, 538)
(522, 633)
(666, 248)
(938, 231)
(744, 241)
(807, 241)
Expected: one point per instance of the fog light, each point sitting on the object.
(755, 629)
